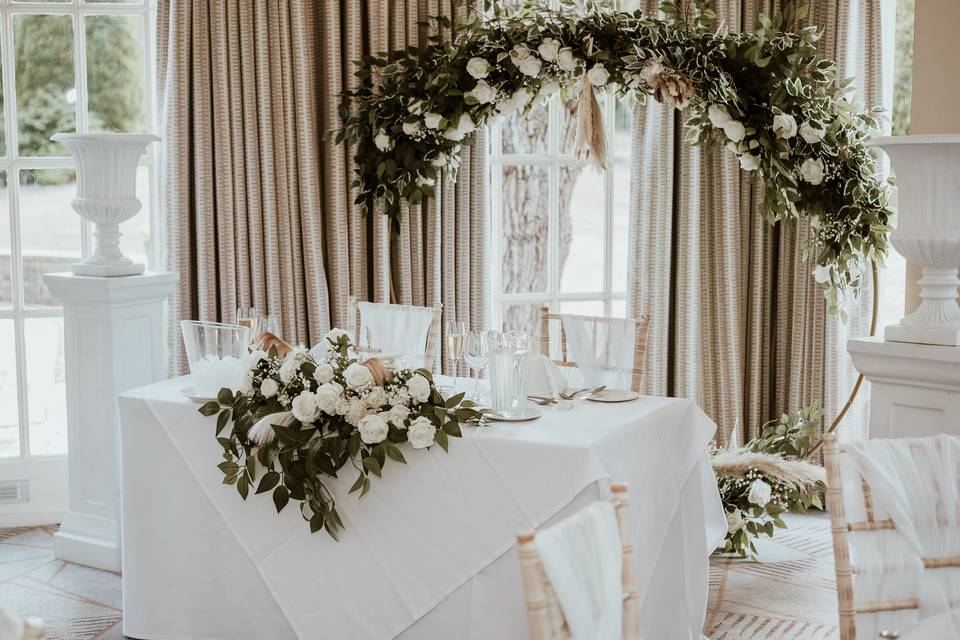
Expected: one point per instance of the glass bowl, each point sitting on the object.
(215, 351)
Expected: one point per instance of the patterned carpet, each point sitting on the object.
(790, 595)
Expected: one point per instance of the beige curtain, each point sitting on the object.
(258, 207)
(738, 322)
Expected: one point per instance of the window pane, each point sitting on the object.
(46, 390)
(116, 82)
(524, 222)
(45, 88)
(618, 308)
(9, 416)
(622, 129)
(50, 229)
(525, 133)
(521, 317)
(621, 226)
(582, 230)
(583, 307)
(135, 232)
(6, 261)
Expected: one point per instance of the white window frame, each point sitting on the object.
(13, 163)
(553, 159)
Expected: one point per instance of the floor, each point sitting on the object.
(790, 594)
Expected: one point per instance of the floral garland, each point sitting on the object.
(767, 96)
(298, 419)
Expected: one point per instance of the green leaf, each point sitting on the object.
(280, 497)
(225, 396)
(243, 486)
(316, 523)
(454, 400)
(370, 464)
(229, 467)
(222, 420)
(453, 428)
(394, 453)
(358, 484)
(209, 408)
(442, 439)
(269, 480)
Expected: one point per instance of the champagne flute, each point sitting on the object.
(476, 355)
(456, 341)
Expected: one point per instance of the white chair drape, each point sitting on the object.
(603, 351)
(396, 329)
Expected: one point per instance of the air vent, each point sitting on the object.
(14, 491)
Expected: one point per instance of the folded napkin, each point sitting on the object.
(545, 377)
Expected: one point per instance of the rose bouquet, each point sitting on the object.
(299, 417)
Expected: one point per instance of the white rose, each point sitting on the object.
(376, 398)
(304, 407)
(421, 433)
(483, 92)
(432, 120)
(565, 60)
(357, 376)
(269, 388)
(383, 142)
(821, 274)
(529, 66)
(478, 68)
(373, 428)
(328, 395)
(749, 162)
(323, 373)
(519, 52)
(759, 493)
(735, 130)
(549, 49)
(356, 412)
(342, 406)
(548, 88)
(812, 170)
(598, 75)
(246, 385)
(419, 388)
(288, 370)
(810, 134)
(784, 125)
(412, 129)
(734, 521)
(463, 127)
(397, 414)
(719, 116)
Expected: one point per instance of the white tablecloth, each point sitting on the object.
(425, 554)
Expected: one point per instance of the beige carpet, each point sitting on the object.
(790, 595)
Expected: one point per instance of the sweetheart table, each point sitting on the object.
(428, 553)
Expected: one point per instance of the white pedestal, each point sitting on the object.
(915, 388)
(113, 335)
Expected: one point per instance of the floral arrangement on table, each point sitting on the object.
(297, 420)
(768, 97)
(768, 477)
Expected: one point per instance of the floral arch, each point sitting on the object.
(767, 96)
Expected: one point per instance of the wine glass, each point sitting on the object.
(476, 355)
(456, 341)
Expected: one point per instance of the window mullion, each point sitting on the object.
(610, 109)
(553, 202)
(82, 119)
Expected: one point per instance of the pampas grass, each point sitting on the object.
(796, 474)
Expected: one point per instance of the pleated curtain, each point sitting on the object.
(738, 322)
(257, 203)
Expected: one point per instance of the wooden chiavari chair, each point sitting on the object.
(543, 608)
(364, 345)
(841, 527)
(639, 344)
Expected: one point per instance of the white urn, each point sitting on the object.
(106, 194)
(927, 169)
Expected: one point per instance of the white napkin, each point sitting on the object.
(545, 377)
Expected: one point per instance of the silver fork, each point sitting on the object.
(585, 391)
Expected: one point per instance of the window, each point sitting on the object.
(65, 65)
(559, 225)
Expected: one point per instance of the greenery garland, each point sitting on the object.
(768, 96)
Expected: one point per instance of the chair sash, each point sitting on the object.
(396, 330)
(603, 351)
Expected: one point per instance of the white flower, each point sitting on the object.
(812, 170)
(519, 52)
(432, 120)
(549, 49)
(357, 376)
(463, 127)
(719, 116)
(529, 66)
(373, 428)
(733, 147)
(269, 388)
(323, 373)
(483, 92)
(734, 521)
(383, 141)
(749, 162)
(517, 101)
(784, 125)
(334, 335)
(598, 75)
(253, 359)
(304, 407)
(397, 414)
(548, 88)
(821, 274)
(735, 130)
(288, 369)
(759, 493)
(421, 433)
(328, 395)
(419, 388)
(478, 68)
(565, 60)
(412, 129)
(376, 398)
(356, 412)
(342, 406)
(810, 134)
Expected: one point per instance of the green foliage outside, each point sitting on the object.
(903, 68)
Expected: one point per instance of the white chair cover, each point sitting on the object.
(582, 558)
(396, 330)
(913, 482)
(603, 351)
(943, 627)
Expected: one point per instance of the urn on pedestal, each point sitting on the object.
(106, 194)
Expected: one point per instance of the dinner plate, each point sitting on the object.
(190, 393)
(614, 395)
(531, 413)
